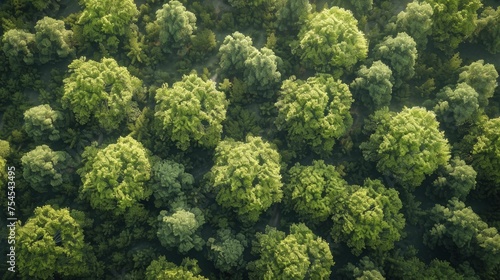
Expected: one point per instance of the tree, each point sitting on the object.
(366, 270)
(114, 178)
(18, 45)
(40, 123)
(329, 40)
(53, 40)
(43, 168)
(51, 242)
(315, 191)
(180, 229)
(486, 151)
(488, 29)
(101, 91)
(226, 250)
(191, 111)
(161, 269)
(298, 255)
(370, 218)
(292, 14)
(400, 54)
(169, 182)
(374, 85)
(107, 20)
(407, 146)
(456, 179)
(482, 78)
(459, 106)
(416, 21)
(4, 153)
(176, 25)
(314, 112)
(453, 21)
(261, 69)
(246, 176)
(233, 53)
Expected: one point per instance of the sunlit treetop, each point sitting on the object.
(53, 40)
(482, 78)
(486, 151)
(19, 46)
(416, 21)
(176, 25)
(161, 269)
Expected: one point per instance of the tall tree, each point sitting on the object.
(101, 91)
(330, 40)
(298, 255)
(456, 179)
(373, 85)
(191, 112)
(314, 112)
(41, 123)
(246, 176)
(180, 229)
(416, 21)
(233, 52)
(458, 106)
(226, 250)
(482, 78)
(292, 14)
(19, 47)
(176, 25)
(169, 182)
(53, 40)
(407, 145)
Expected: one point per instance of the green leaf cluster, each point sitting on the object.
(488, 29)
(169, 182)
(53, 40)
(486, 151)
(161, 269)
(19, 46)
(314, 112)
(181, 229)
(292, 14)
(459, 106)
(298, 255)
(374, 85)
(40, 123)
(482, 78)
(416, 21)
(226, 250)
(246, 176)
(176, 25)
(101, 91)
(456, 179)
(408, 146)
(191, 111)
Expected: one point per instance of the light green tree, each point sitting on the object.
(161, 269)
(105, 19)
(233, 52)
(101, 91)
(261, 69)
(191, 112)
(373, 85)
(400, 54)
(370, 218)
(486, 151)
(458, 106)
(45, 169)
(330, 40)
(246, 176)
(453, 21)
(315, 191)
(51, 243)
(298, 255)
(408, 145)
(226, 250)
(41, 123)
(456, 179)
(314, 112)
(19, 47)
(482, 78)
(180, 229)
(53, 40)
(176, 25)
(416, 21)
(292, 14)
(114, 177)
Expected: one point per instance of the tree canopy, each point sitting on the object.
(161, 269)
(53, 40)
(41, 123)
(176, 25)
(180, 229)
(485, 152)
(226, 250)
(482, 78)
(416, 21)
(374, 85)
(457, 106)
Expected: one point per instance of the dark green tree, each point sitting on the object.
(169, 182)
(191, 112)
(314, 112)
(181, 229)
(459, 106)
(176, 25)
(298, 255)
(416, 21)
(41, 123)
(53, 40)
(488, 29)
(19, 47)
(246, 176)
(292, 14)
(456, 179)
(482, 78)
(373, 85)
(226, 250)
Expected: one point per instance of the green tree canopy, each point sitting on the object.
(456, 179)
(408, 146)
(53, 40)
(19, 46)
(457, 106)
(370, 218)
(261, 69)
(176, 25)
(314, 112)
(180, 229)
(453, 21)
(101, 91)
(373, 85)
(488, 29)
(482, 78)
(233, 52)
(51, 243)
(161, 269)
(416, 21)
(331, 39)
(292, 14)
(191, 111)
(486, 151)
(246, 176)
(315, 191)
(169, 182)
(44, 168)
(399, 53)
(298, 255)
(104, 19)
(226, 250)
(40, 123)
(114, 177)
